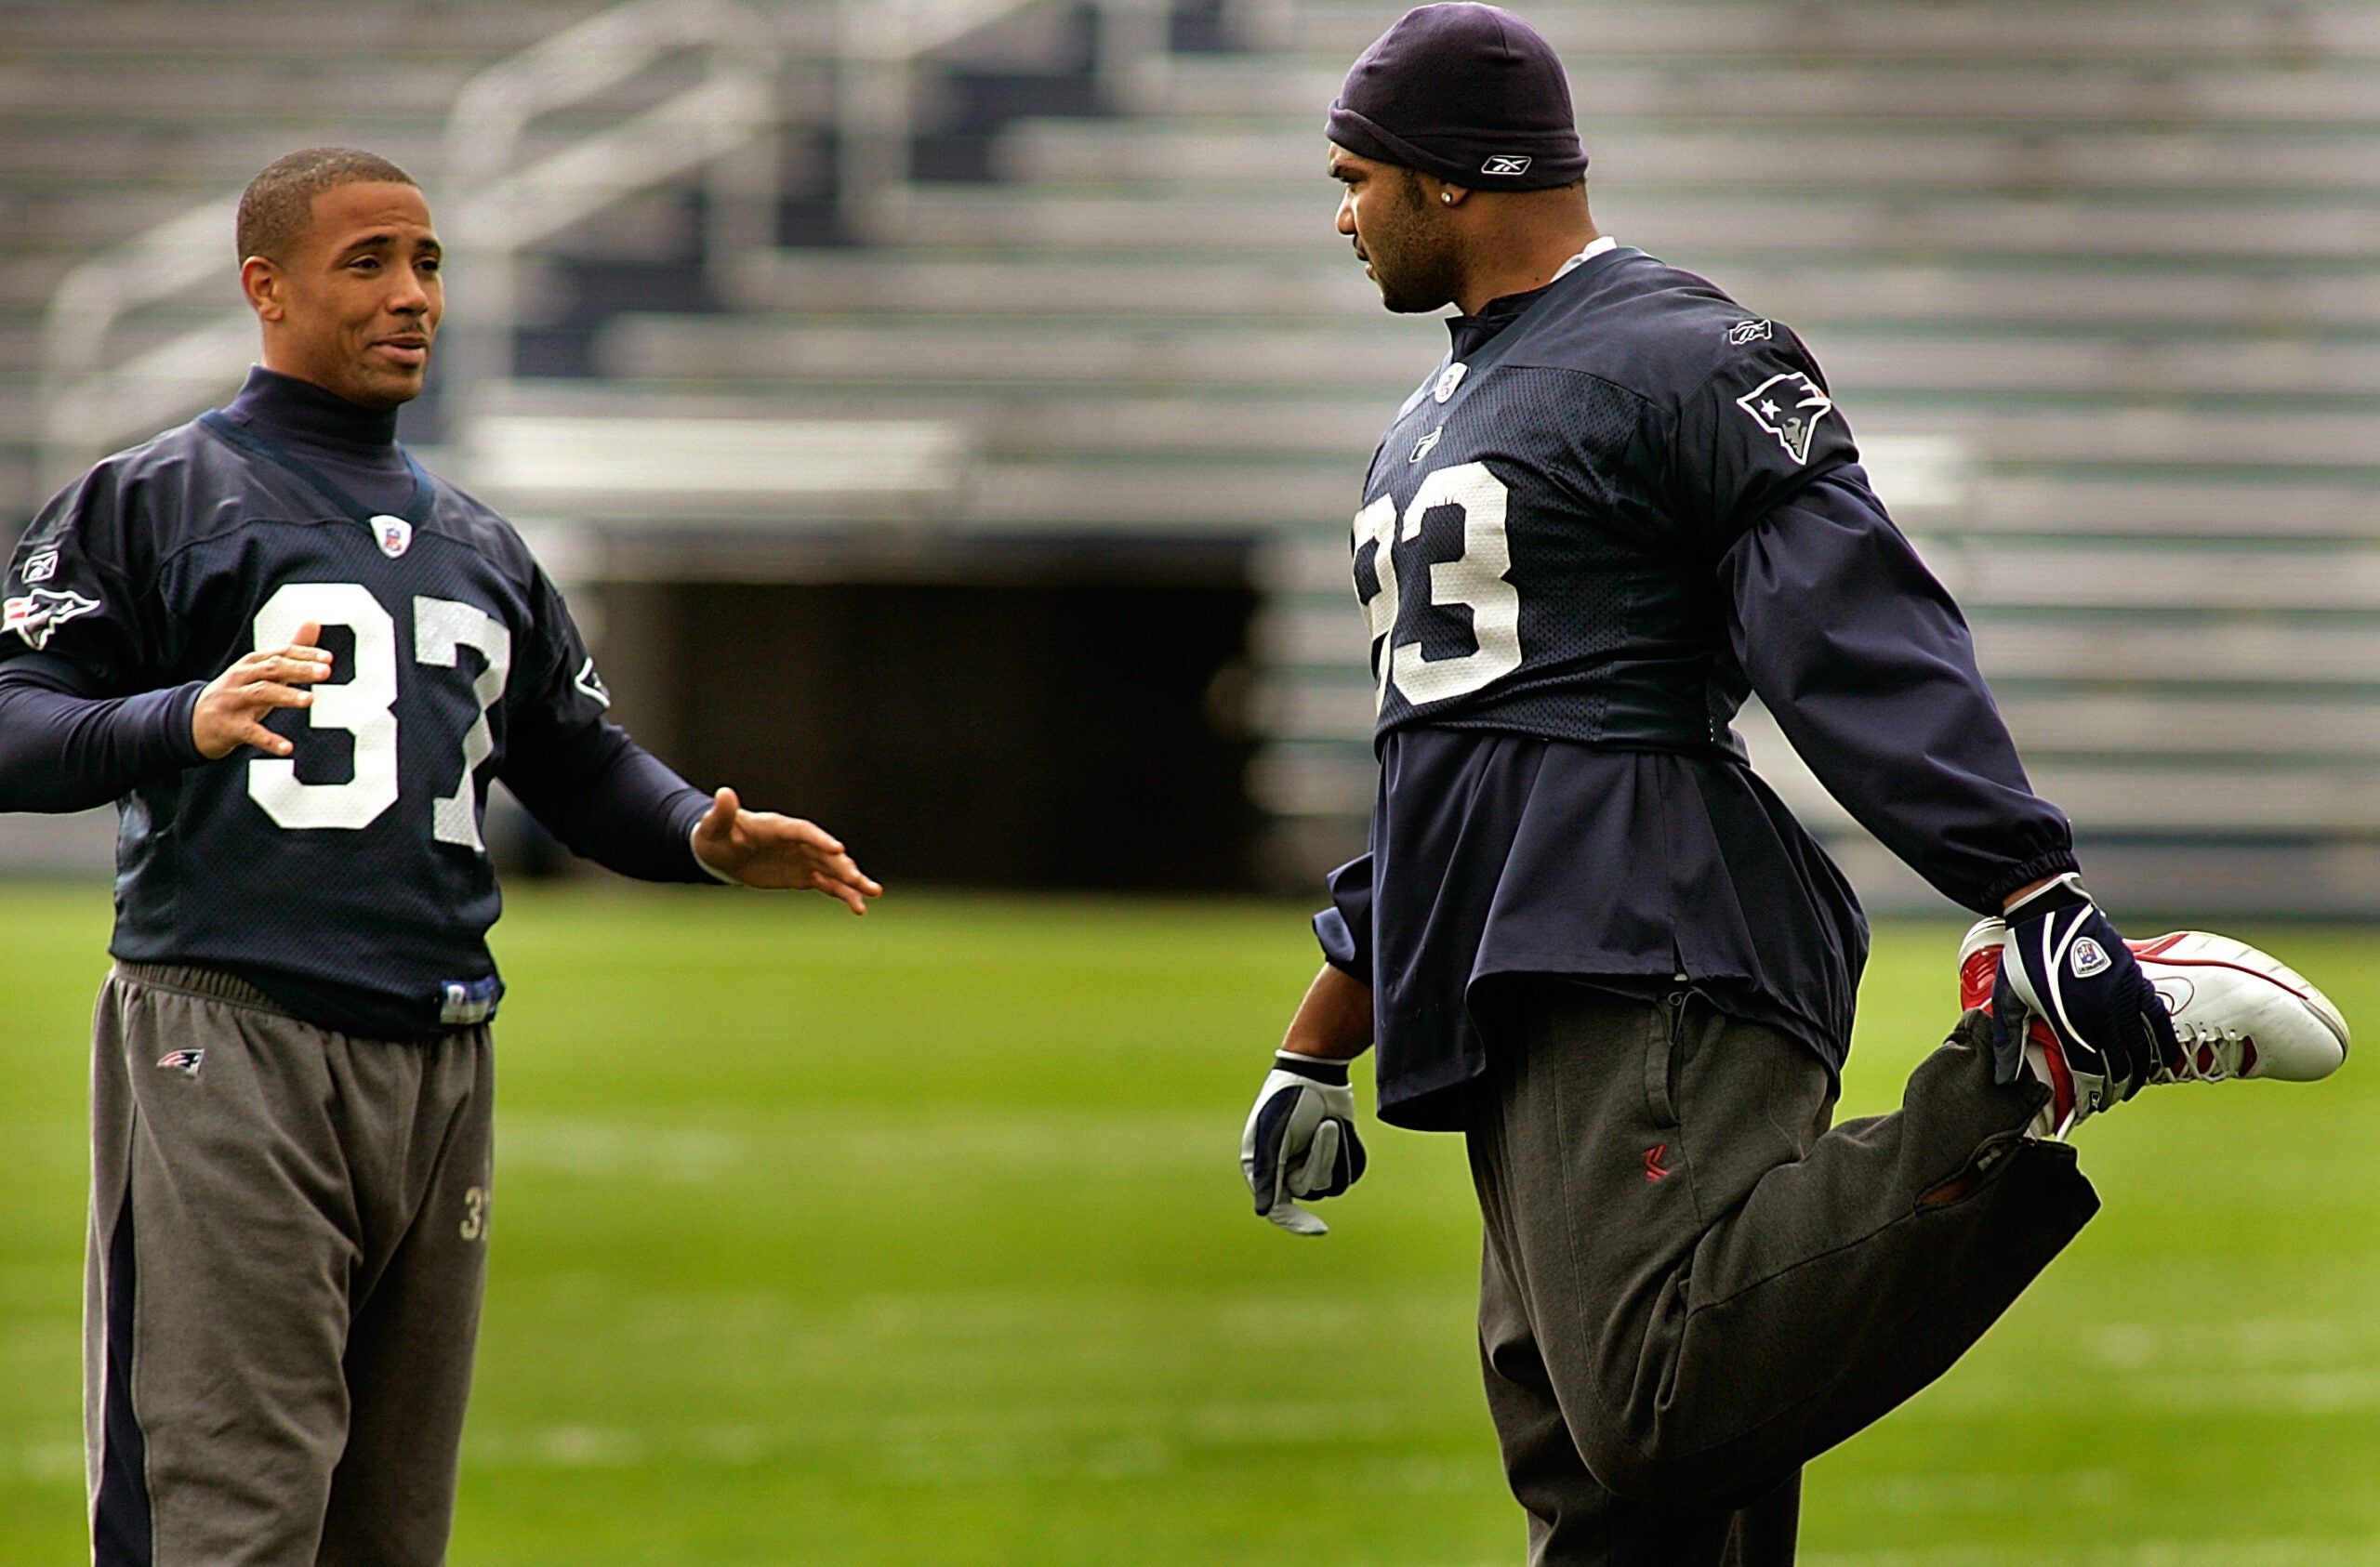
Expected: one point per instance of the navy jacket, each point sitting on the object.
(1620, 505)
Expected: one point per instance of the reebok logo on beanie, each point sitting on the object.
(1465, 92)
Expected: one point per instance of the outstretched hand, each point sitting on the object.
(762, 848)
(231, 710)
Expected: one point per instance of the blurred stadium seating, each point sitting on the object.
(2094, 283)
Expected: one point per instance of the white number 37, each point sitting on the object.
(364, 705)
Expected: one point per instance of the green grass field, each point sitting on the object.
(919, 1240)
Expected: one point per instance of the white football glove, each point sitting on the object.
(1301, 1141)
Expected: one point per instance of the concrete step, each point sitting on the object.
(1920, 226)
(2161, 505)
(2016, 159)
(194, 168)
(2295, 653)
(2012, 290)
(20, 331)
(1312, 498)
(2243, 579)
(2114, 473)
(1318, 644)
(45, 154)
(80, 220)
(162, 89)
(2040, 29)
(2138, 438)
(2192, 724)
(2004, 92)
(2242, 584)
(285, 28)
(2146, 793)
(2015, 541)
(1390, 357)
(2207, 805)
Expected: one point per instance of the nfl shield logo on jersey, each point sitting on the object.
(1449, 378)
(1788, 407)
(394, 535)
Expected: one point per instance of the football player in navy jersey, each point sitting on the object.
(295, 659)
(1591, 939)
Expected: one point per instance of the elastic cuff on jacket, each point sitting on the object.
(2057, 861)
(2066, 891)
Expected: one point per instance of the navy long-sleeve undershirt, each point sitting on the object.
(63, 749)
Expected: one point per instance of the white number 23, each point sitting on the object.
(364, 705)
(1474, 580)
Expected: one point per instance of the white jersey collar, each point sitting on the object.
(1598, 248)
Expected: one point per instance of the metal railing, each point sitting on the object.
(86, 404)
(878, 46)
(494, 206)
(725, 125)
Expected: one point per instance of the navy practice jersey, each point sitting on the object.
(1534, 552)
(1622, 504)
(351, 880)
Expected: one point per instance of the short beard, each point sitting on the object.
(1413, 256)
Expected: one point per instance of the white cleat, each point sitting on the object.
(2237, 1012)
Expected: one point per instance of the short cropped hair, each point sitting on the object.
(279, 203)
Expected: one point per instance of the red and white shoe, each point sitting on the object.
(2237, 1012)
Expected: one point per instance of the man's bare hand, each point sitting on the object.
(762, 848)
(232, 708)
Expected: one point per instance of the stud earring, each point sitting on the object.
(1447, 196)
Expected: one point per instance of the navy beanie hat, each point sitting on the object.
(1468, 93)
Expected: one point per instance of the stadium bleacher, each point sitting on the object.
(2094, 283)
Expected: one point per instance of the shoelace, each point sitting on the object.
(2208, 1055)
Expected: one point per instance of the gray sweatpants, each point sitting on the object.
(1691, 1287)
(288, 1241)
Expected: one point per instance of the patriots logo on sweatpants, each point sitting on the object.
(1788, 407)
(187, 1063)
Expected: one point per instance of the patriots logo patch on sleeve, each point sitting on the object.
(1788, 407)
(591, 684)
(41, 612)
